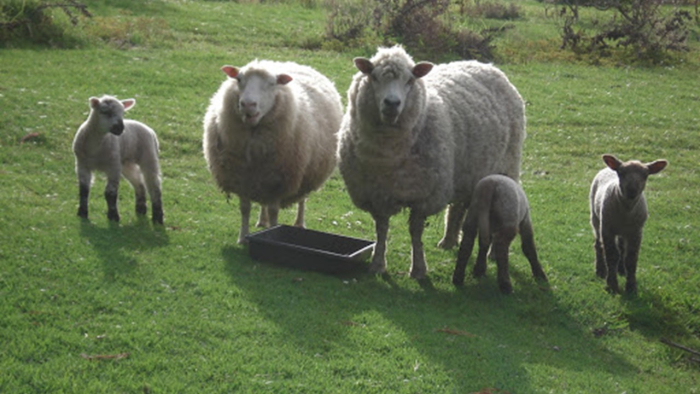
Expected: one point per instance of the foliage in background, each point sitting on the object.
(422, 26)
(35, 21)
(643, 26)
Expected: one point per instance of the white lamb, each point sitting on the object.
(270, 136)
(420, 136)
(498, 212)
(109, 143)
(618, 214)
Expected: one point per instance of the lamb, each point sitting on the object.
(270, 136)
(618, 214)
(420, 136)
(109, 143)
(498, 211)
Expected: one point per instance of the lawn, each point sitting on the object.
(90, 306)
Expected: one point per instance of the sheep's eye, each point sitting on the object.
(411, 81)
(373, 78)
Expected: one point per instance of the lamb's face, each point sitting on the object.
(632, 175)
(110, 112)
(257, 92)
(391, 85)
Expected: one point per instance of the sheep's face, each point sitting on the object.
(257, 92)
(632, 175)
(110, 112)
(391, 85)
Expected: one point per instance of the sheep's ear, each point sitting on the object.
(94, 102)
(422, 69)
(364, 65)
(128, 104)
(656, 166)
(283, 79)
(231, 71)
(612, 162)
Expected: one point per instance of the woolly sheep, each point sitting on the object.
(109, 143)
(498, 211)
(420, 136)
(618, 214)
(270, 136)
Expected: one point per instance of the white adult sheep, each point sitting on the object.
(270, 136)
(109, 143)
(498, 212)
(420, 136)
(618, 213)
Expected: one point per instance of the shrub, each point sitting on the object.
(33, 21)
(490, 10)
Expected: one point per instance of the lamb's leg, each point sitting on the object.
(151, 175)
(630, 262)
(244, 206)
(273, 211)
(484, 244)
(622, 248)
(453, 223)
(132, 173)
(469, 231)
(601, 268)
(416, 224)
(84, 182)
(299, 222)
(501, 243)
(111, 194)
(612, 258)
(527, 240)
(378, 264)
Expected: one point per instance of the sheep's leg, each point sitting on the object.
(469, 231)
(84, 182)
(601, 268)
(612, 258)
(484, 244)
(501, 243)
(111, 193)
(630, 263)
(273, 211)
(263, 218)
(527, 240)
(299, 222)
(244, 206)
(132, 173)
(453, 222)
(416, 224)
(378, 264)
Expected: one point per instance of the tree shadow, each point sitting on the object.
(481, 337)
(116, 244)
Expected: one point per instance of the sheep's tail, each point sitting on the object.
(482, 207)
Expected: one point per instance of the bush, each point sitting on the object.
(637, 25)
(33, 21)
(490, 10)
(422, 26)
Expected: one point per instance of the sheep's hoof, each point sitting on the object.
(418, 274)
(377, 269)
(505, 287)
(113, 216)
(242, 240)
(83, 213)
(458, 279)
(631, 288)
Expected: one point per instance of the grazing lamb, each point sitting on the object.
(618, 213)
(116, 146)
(270, 136)
(498, 211)
(420, 136)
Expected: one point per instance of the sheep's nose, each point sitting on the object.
(117, 128)
(392, 102)
(248, 105)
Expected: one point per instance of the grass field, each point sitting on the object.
(94, 307)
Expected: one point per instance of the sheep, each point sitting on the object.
(420, 136)
(498, 211)
(109, 143)
(270, 136)
(618, 214)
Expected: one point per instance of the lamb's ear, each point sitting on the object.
(94, 102)
(612, 162)
(656, 166)
(231, 71)
(283, 79)
(128, 104)
(422, 69)
(364, 65)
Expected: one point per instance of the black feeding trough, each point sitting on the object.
(311, 250)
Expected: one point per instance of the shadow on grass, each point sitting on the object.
(475, 335)
(116, 244)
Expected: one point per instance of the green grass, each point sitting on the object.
(194, 313)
